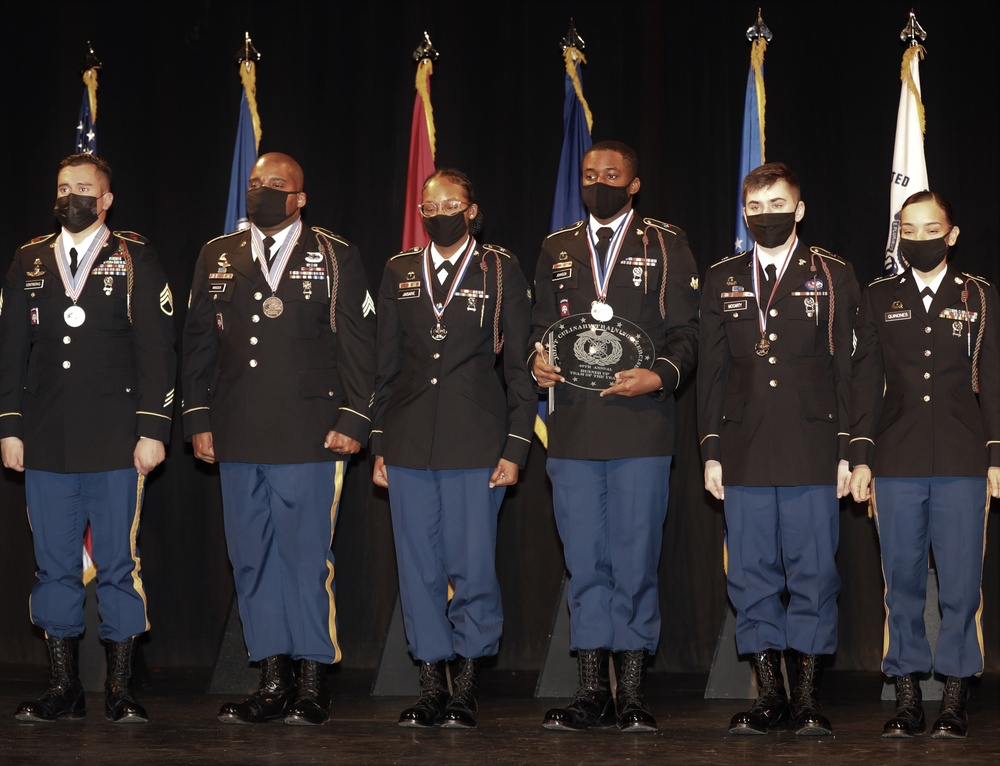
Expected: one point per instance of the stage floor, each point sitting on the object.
(363, 729)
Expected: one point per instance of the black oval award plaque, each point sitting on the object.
(589, 352)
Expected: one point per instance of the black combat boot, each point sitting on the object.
(119, 704)
(953, 721)
(592, 705)
(429, 707)
(463, 709)
(806, 715)
(770, 709)
(312, 699)
(630, 704)
(64, 697)
(908, 720)
(273, 695)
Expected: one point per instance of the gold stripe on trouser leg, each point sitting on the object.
(873, 513)
(338, 484)
(979, 611)
(137, 569)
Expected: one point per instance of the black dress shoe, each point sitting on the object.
(428, 710)
(807, 718)
(953, 721)
(908, 720)
(462, 711)
(312, 698)
(119, 704)
(770, 709)
(272, 697)
(630, 703)
(593, 705)
(64, 697)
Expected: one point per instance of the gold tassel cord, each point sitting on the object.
(424, 71)
(248, 75)
(905, 77)
(572, 55)
(757, 51)
(90, 80)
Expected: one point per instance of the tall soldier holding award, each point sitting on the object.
(278, 370)
(773, 375)
(87, 366)
(614, 332)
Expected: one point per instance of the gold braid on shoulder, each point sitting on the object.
(663, 278)
(982, 327)
(333, 277)
(130, 275)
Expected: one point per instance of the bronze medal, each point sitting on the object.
(273, 307)
(762, 347)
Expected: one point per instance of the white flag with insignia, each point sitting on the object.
(909, 169)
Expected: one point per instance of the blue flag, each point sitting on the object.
(244, 156)
(567, 207)
(86, 131)
(751, 156)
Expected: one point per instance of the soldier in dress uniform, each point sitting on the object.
(87, 367)
(610, 446)
(278, 372)
(925, 422)
(448, 439)
(773, 377)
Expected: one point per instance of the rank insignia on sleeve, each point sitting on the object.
(368, 307)
(166, 301)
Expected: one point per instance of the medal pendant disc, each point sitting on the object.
(762, 347)
(74, 316)
(273, 307)
(601, 311)
(439, 332)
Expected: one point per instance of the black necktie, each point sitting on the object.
(268, 244)
(73, 265)
(444, 274)
(604, 235)
(771, 272)
(927, 291)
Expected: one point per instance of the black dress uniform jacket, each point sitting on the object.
(930, 421)
(440, 404)
(583, 425)
(80, 397)
(267, 388)
(780, 419)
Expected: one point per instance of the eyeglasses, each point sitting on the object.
(448, 207)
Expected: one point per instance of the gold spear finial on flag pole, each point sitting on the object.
(572, 48)
(90, 66)
(247, 57)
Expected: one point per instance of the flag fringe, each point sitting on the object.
(90, 80)
(757, 51)
(424, 71)
(906, 77)
(571, 56)
(248, 76)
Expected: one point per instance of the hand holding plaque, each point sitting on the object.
(590, 353)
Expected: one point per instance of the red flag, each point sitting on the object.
(421, 162)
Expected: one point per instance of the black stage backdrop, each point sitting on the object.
(335, 88)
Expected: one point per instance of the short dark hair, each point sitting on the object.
(627, 152)
(456, 177)
(82, 158)
(928, 196)
(767, 175)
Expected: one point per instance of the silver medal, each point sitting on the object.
(273, 307)
(439, 331)
(601, 311)
(74, 316)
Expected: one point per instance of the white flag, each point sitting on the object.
(909, 170)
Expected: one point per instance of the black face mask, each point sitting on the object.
(266, 207)
(446, 230)
(76, 212)
(924, 254)
(603, 201)
(771, 229)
